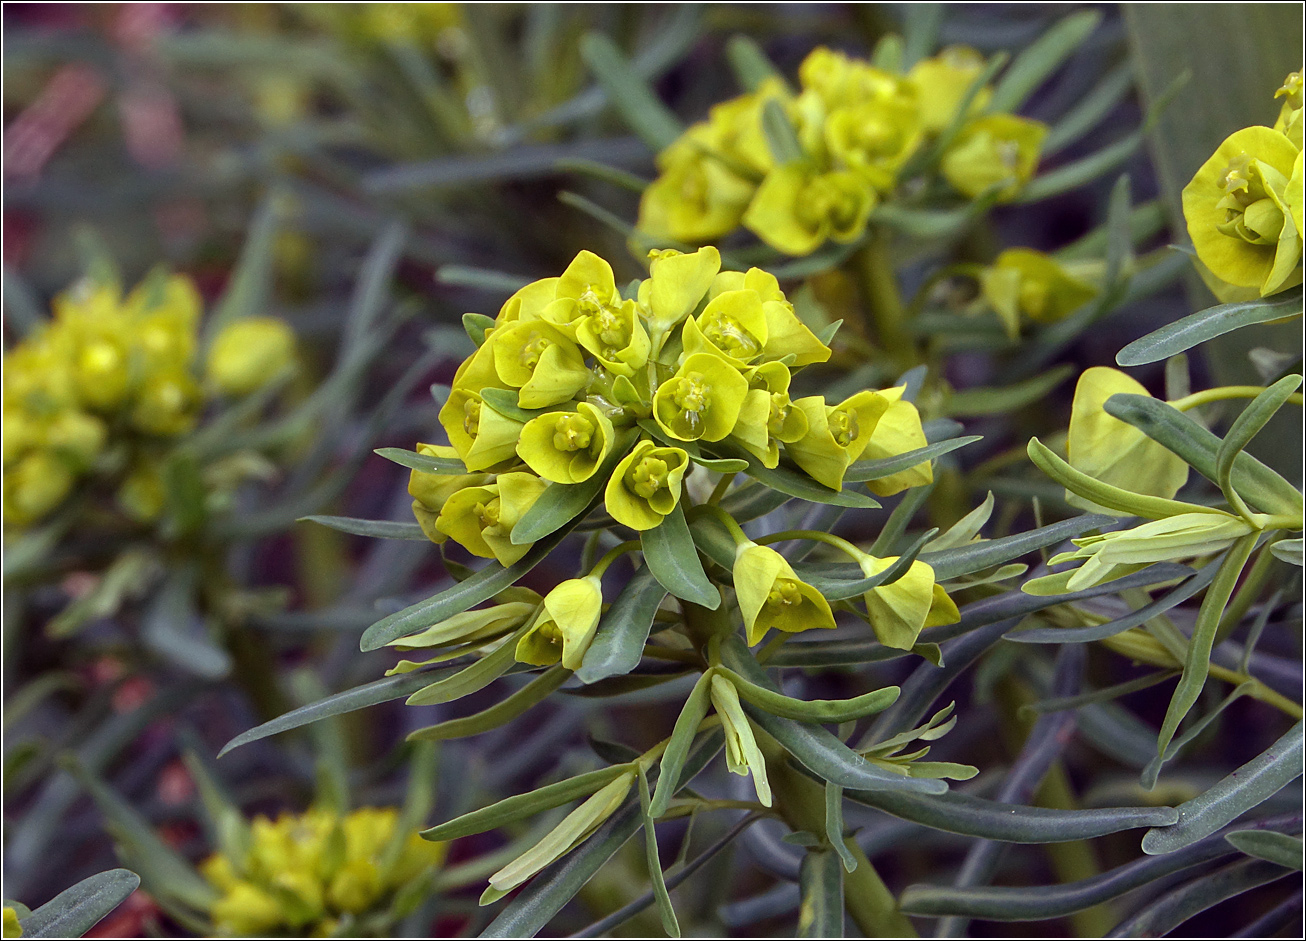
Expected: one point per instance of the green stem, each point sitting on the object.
(801, 802)
(814, 535)
(612, 555)
(1224, 393)
(879, 288)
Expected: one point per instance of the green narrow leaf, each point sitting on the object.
(820, 880)
(1176, 432)
(520, 806)
(1086, 169)
(351, 700)
(1245, 427)
(230, 829)
(601, 171)
(1003, 399)
(1171, 910)
(673, 760)
(781, 136)
(887, 54)
(497, 281)
(1198, 663)
(629, 93)
(505, 402)
(836, 589)
(812, 710)
(377, 529)
(920, 31)
(952, 563)
(473, 678)
(1266, 844)
(426, 463)
(485, 584)
(539, 901)
(1188, 332)
(671, 556)
(1041, 58)
(1090, 110)
(476, 325)
(883, 467)
(1289, 550)
(1010, 823)
(1132, 504)
(75, 911)
(665, 909)
(925, 158)
(250, 285)
(753, 500)
(749, 63)
(834, 825)
(1235, 794)
(618, 644)
(798, 484)
(499, 714)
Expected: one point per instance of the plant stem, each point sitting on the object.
(879, 288)
(1224, 393)
(801, 802)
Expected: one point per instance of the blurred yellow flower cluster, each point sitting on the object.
(801, 169)
(314, 874)
(1244, 207)
(109, 371)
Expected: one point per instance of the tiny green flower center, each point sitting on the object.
(533, 349)
(472, 417)
(843, 426)
(779, 413)
(573, 432)
(730, 336)
(783, 593)
(487, 514)
(648, 477)
(611, 329)
(691, 394)
(825, 200)
(549, 631)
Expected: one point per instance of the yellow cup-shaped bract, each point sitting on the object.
(539, 361)
(528, 303)
(768, 417)
(942, 81)
(798, 208)
(899, 610)
(480, 519)
(249, 353)
(1115, 452)
(874, 138)
(1024, 282)
(564, 629)
(772, 596)
(836, 434)
(995, 150)
(697, 196)
(676, 283)
(567, 447)
(645, 486)
(702, 400)
(898, 431)
(1238, 207)
(732, 326)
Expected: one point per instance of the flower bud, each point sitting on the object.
(167, 404)
(742, 754)
(899, 610)
(249, 353)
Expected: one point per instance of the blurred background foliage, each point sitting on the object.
(368, 173)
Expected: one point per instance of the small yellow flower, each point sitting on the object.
(470, 627)
(698, 196)
(771, 596)
(840, 80)
(589, 310)
(75, 436)
(1289, 122)
(836, 434)
(539, 361)
(732, 327)
(1115, 452)
(742, 754)
(900, 610)
(567, 447)
(565, 627)
(702, 400)
(529, 302)
(941, 82)
(249, 353)
(874, 139)
(1022, 281)
(786, 334)
(897, 432)
(480, 519)
(645, 486)
(993, 150)
(676, 283)
(1238, 211)
(167, 404)
(768, 417)
(430, 491)
(12, 929)
(798, 207)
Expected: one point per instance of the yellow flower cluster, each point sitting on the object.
(854, 128)
(312, 874)
(1026, 284)
(1244, 207)
(575, 382)
(108, 369)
